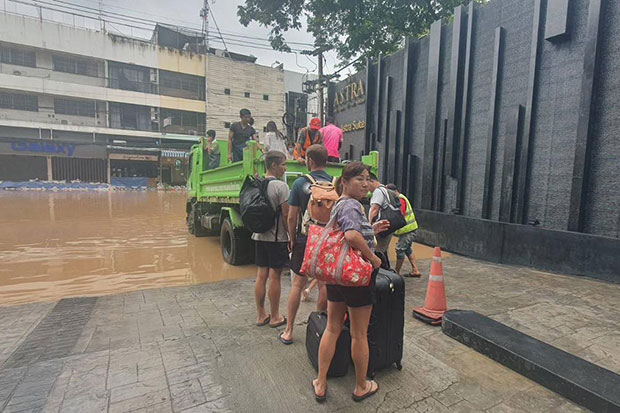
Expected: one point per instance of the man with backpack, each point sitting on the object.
(310, 202)
(384, 204)
(406, 235)
(272, 244)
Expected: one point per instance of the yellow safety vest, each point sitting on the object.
(412, 224)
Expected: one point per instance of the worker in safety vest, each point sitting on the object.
(406, 236)
(308, 136)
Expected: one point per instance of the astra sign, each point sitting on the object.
(51, 148)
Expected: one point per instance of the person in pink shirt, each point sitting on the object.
(333, 137)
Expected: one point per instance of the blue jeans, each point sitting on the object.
(237, 151)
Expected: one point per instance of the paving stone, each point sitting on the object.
(187, 394)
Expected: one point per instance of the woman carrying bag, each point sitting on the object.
(343, 256)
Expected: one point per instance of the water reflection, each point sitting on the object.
(65, 244)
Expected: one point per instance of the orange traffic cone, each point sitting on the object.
(435, 303)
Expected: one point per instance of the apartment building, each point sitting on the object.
(94, 106)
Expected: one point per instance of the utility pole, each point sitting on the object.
(319, 53)
(320, 85)
(204, 13)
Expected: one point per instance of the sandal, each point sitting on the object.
(283, 340)
(412, 275)
(281, 323)
(319, 399)
(264, 322)
(366, 395)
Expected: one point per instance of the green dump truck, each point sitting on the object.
(213, 195)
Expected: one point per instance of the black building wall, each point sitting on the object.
(509, 114)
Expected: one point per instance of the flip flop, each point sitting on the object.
(319, 399)
(264, 322)
(367, 394)
(287, 342)
(410, 275)
(281, 323)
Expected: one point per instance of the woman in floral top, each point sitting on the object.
(360, 235)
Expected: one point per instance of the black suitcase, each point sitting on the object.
(387, 322)
(317, 322)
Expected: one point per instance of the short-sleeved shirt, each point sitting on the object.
(300, 192)
(240, 134)
(380, 197)
(277, 192)
(333, 136)
(349, 215)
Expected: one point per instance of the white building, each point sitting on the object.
(86, 104)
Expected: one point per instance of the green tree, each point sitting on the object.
(351, 27)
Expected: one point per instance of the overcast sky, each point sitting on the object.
(187, 13)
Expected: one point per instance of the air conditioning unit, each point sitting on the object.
(153, 76)
(154, 115)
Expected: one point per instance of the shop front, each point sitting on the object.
(134, 167)
(49, 159)
(174, 165)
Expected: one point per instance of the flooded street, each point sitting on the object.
(65, 244)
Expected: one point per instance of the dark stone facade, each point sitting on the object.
(508, 113)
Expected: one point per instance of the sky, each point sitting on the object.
(187, 13)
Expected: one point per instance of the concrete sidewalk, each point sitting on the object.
(197, 349)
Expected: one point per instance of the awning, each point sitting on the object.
(167, 153)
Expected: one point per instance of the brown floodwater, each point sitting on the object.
(67, 244)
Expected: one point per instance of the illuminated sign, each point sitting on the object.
(353, 94)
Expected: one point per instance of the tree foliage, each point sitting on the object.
(351, 27)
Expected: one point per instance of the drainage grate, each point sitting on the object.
(56, 335)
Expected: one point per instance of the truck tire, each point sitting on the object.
(236, 244)
(193, 222)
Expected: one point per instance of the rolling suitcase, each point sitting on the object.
(317, 322)
(387, 322)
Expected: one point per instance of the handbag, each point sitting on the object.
(392, 213)
(329, 258)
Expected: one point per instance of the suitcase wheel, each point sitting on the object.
(399, 366)
(371, 375)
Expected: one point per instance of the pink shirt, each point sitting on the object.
(332, 137)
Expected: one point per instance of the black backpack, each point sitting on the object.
(257, 213)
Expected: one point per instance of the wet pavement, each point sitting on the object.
(196, 349)
(67, 244)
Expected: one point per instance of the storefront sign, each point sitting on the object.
(353, 126)
(51, 148)
(353, 94)
(133, 157)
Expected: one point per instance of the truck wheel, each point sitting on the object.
(235, 244)
(193, 222)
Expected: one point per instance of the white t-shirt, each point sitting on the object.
(272, 142)
(277, 192)
(380, 197)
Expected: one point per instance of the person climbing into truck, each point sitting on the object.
(316, 160)
(238, 136)
(406, 236)
(310, 135)
(213, 151)
(333, 137)
(272, 245)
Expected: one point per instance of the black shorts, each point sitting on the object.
(271, 254)
(297, 255)
(333, 159)
(353, 296)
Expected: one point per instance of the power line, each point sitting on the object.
(218, 28)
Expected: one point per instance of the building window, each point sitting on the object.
(227, 125)
(76, 66)
(265, 97)
(227, 91)
(180, 121)
(126, 116)
(20, 57)
(19, 102)
(247, 94)
(181, 85)
(131, 77)
(74, 107)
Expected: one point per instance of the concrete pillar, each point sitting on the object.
(109, 171)
(50, 174)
